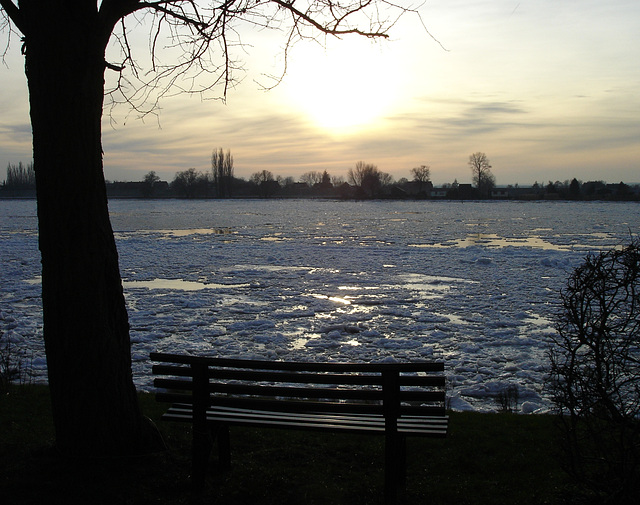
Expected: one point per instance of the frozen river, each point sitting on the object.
(473, 283)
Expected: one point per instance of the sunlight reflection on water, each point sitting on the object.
(495, 241)
(179, 284)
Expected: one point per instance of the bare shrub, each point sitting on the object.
(595, 373)
(10, 363)
(508, 399)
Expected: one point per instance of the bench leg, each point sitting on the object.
(200, 450)
(402, 463)
(395, 469)
(221, 433)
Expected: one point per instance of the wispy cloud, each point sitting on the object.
(548, 90)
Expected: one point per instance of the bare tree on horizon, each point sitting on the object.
(422, 175)
(222, 170)
(482, 177)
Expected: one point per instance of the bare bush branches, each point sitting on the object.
(595, 372)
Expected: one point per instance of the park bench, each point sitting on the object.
(391, 399)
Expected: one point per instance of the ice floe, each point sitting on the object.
(475, 283)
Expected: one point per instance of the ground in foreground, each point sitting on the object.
(486, 459)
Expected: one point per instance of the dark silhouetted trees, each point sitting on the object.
(222, 170)
(311, 178)
(595, 373)
(422, 176)
(190, 184)
(574, 189)
(150, 182)
(20, 176)
(367, 179)
(265, 183)
(481, 174)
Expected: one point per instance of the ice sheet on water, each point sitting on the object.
(472, 283)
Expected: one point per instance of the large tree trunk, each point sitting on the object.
(86, 328)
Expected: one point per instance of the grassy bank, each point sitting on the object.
(486, 459)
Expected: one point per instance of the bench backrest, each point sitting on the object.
(389, 389)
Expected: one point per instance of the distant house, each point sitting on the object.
(524, 193)
(125, 189)
(137, 189)
(439, 192)
(397, 192)
(594, 189)
(500, 193)
(620, 191)
(296, 189)
(417, 188)
(467, 191)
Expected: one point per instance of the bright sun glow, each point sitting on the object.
(347, 86)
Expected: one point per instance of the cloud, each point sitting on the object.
(15, 141)
(542, 91)
(17, 132)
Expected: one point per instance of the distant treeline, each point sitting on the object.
(20, 176)
(363, 182)
(193, 184)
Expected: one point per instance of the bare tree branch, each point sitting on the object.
(13, 13)
(201, 39)
(9, 14)
(334, 26)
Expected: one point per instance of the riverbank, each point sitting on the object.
(486, 459)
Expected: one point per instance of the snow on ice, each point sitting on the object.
(473, 283)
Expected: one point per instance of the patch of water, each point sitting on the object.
(180, 285)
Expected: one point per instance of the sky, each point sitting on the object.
(548, 89)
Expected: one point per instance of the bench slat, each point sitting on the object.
(295, 377)
(304, 406)
(425, 426)
(287, 393)
(186, 410)
(298, 405)
(177, 371)
(420, 366)
(300, 377)
(296, 392)
(173, 384)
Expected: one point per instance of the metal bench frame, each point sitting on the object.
(392, 399)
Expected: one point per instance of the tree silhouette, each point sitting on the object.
(367, 179)
(190, 183)
(265, 184)
(20, 176)
(481, 173)
(150, 180)
(86, 328)
(595, 373)
(422, 175)
(312, 178)
(222, 170)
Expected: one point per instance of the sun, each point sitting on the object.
(344, 87)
